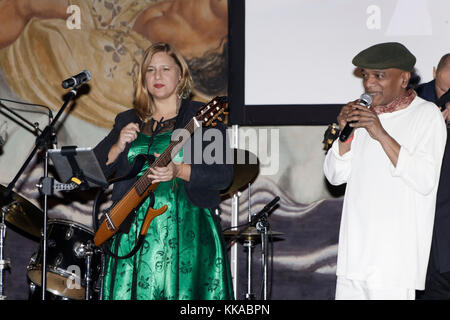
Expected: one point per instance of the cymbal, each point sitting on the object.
(246, 169)
(21, 213)
(251, 233)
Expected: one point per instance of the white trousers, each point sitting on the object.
(347, 289)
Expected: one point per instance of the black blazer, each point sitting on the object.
(440, 248)
(206, 181)
(427, 91)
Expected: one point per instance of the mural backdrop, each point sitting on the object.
(45, 41)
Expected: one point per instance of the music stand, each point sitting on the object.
(79, 163)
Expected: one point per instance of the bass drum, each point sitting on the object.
(66, 265)
(35, 293)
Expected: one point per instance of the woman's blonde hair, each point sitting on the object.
(143, 100)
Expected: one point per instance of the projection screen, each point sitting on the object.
(290, 60)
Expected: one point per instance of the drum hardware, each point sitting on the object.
(5, 264)
(245, 171)
(250, 245)
(22, 214)
(257, 228)
(86, 251)
(34, 294)
(263, 227)
(102, 275)
(250, 233)
(73, 261)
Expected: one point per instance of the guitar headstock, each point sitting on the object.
(331, 134)
(212, 111)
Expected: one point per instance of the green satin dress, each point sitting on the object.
(183, 255)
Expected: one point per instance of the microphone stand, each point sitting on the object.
(44, 141)
(35, 126)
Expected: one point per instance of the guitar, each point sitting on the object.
(118, 212)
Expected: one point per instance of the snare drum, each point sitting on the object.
(66, 267)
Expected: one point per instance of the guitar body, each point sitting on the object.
(121, 210)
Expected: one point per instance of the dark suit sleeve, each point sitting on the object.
(102, 149)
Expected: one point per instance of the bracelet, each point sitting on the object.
(178, 174)
(350, 139)
(174, 180)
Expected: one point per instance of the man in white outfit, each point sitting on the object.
(391, 164)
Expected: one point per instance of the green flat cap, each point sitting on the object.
(384, 56)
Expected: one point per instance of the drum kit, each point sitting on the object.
(74, 265)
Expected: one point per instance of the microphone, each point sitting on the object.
(82, 77)
(265, 210)
(365, 101)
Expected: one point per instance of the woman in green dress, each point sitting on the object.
(183, 254)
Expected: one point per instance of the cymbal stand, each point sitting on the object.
(102, 275)
(234, 219)
(89, 253)
(4, 263)
(263, 227)
(249, 244)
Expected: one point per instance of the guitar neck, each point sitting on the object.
(163, 160)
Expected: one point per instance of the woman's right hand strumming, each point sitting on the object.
(127, 135)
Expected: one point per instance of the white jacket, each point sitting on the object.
(388, 212)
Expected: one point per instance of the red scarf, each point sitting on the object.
(397, 104)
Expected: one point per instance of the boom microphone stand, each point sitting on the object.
(44, 141)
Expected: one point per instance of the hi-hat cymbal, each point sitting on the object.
(246, 169)
(21, 213)
(251, 233)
